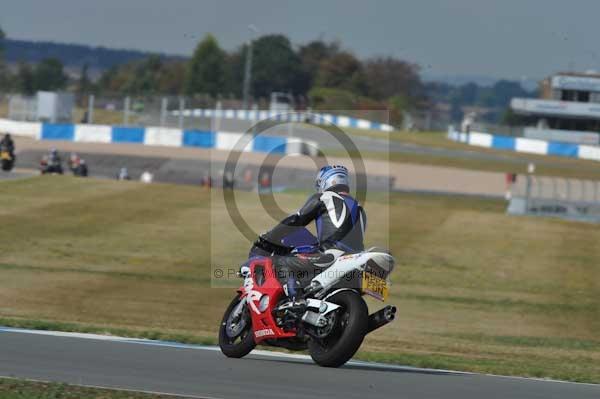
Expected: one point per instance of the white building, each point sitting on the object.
(568, 109)
(45, 106)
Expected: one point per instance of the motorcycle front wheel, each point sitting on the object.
(7, 165)
(235, 334)
(348, 329)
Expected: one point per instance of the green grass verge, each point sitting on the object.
(476, 289)
(50, 325)
(26, 389)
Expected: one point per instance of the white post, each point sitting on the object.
(163, 111)
(126, 111)
(248, 68)
(181, 108)
(247, 75)
(90, 109)
(255, 113)
(527, 193)
(217, 118)
(254, 116)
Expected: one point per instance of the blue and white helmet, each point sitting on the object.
(331, 175)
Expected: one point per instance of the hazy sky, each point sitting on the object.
(500, 38)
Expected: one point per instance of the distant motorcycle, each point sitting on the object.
(331, 319)
(8, 159)
(51, 165)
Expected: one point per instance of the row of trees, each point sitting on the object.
(46, 75)
(276, 66)
(495, 98)
(323, 72)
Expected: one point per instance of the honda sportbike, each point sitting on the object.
(329, 317)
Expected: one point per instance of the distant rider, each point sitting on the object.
(51, 162)
(123, 174)
(340, 224)
(8, 143)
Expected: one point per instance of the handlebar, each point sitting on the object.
(271, 247)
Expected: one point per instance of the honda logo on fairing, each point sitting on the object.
(262, 333)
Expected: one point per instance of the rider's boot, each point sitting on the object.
(295, 292)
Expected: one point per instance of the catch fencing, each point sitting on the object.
(574, 199)
(182, 112)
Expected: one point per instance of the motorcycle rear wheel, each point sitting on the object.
(347, 335)
(234, 343)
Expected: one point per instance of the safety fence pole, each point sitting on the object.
(163, 111)
(90, 118)
(181, 108)
(126, 107)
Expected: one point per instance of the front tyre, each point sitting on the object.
(349, 327)
(7, 165)
(235, 334)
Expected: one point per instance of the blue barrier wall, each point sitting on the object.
(58, 132)
(503, 142)
(128, 134)
(189, 138)
(198, 138)
(526, 145)
(563, 149)
(269, 144)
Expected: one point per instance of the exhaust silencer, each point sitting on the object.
(381, 318)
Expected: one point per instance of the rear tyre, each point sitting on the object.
(235, 334)
(7, 165)
(349, 329)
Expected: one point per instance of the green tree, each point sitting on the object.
(49, 75)
(343, 71)
(388, 77)
(313, 54)
(2, 37)
(25, 79)
(275, 67)
(150, 76)
(142, 77)
(4, 73)
(172, 77)
(206, 69)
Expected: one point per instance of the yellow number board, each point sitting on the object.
(375, 286)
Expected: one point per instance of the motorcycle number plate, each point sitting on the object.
(5, 155)
(375, 286)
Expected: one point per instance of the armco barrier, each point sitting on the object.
(525, 145)
(156, 136)
(252, 115)
(58, 132)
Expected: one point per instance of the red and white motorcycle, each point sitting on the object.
(330, 320)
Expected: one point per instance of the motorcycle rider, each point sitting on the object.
(8, 143)
(340, 225)
(51, 162)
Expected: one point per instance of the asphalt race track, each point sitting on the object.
(203, 372)
(326, 141)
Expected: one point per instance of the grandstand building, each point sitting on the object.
(568, 109)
